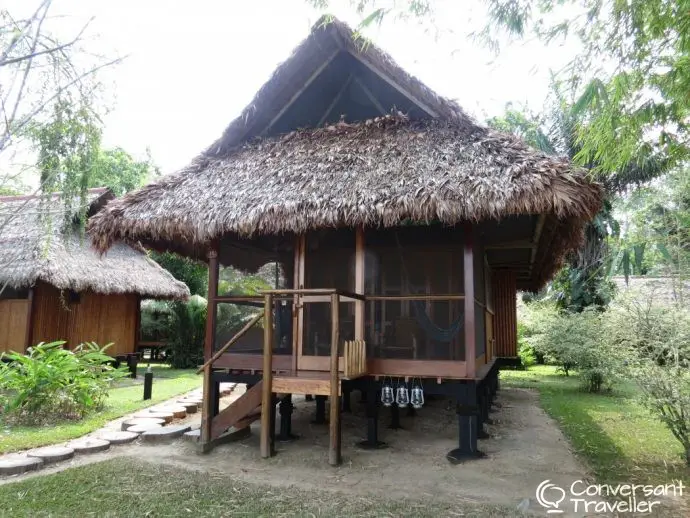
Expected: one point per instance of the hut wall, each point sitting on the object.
(13, 320)
(505, 318)
(94, 318)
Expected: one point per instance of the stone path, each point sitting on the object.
(158, 424)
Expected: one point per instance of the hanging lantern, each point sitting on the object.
(402, 396)
(387, 397)
(417, 398)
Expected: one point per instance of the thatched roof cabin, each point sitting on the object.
(36, 247)
(427, 161)
(396, 223)
(55, 286)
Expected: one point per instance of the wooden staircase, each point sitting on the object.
(259, 401)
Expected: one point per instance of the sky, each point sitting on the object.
(192, 66)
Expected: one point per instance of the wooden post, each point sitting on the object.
(359, 283)
(213, 267)
(267, 387)
(468, 267)
(334, 451)
(29, 320)
(206, 408)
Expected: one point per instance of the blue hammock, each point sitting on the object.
(436, 333)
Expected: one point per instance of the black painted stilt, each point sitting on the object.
(320, 415)
(395, 418)
(286, 407)
(308, 397)
(274, 403)
(362, 396)
(372, 412)
(346, 397)
(215, 397)
(467, 410)
(411, 412)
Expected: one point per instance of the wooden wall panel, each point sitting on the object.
(13, 320)
(95, 318)
(505, 316)
(104, 319)
(50, 315)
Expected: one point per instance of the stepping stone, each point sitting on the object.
(196, 402)
(141, 428)
(166, 416)
(178, 412)
(17, 465)
(190, 406)
(141, 420)
(192, 435)
(51, 454)
(90, 445)
(118, 437)
(165, 434)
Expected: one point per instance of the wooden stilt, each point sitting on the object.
(334, 450)
(267, 386)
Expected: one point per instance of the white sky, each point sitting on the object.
(193, 65)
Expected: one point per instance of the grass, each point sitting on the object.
(124, 399)
(129, 487)
(617, 438)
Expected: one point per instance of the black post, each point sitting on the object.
(132, 361)
(395, 418)
(320, 415)
(372, 413)
(286, 407)
(272, 431)
(467, 410)
(346, 397)
(308, 397)
(148, 383)
(214, 394)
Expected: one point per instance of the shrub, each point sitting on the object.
(50, 383)
(657, 340)
(187, 325)
(578, 341)
(526, 352)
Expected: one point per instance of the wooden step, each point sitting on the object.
(316, 384)
(237, 411)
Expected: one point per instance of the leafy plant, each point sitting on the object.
(187, 324)
(49, 383)
(657, 339)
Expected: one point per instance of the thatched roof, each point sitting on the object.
(432, 164)
(35, 246)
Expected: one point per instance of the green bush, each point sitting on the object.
(656, 339)
(187, 329)
(578, 341)
(526, 352)
(49, 383)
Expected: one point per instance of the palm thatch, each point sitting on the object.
(36, 246)
(383, 171)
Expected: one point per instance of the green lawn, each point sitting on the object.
(126, 487)
(124, 399)
(617, 437)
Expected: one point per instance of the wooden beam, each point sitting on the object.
(535, 240)
(359, 283)
(29, 319)
(213, 267)
(335, 100)
(430, 111)
(371, 96)
(334, 450)
(267, 387)
(468, 267)
(299, 92)
(207, 408)
(511, 245)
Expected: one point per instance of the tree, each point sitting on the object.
(120, 172)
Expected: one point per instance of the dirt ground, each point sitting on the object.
(526, 448)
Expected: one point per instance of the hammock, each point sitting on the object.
(436, 333)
